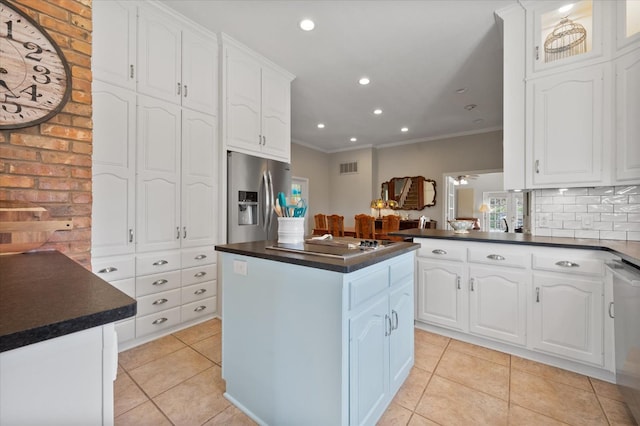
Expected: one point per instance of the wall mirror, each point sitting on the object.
(410, 192)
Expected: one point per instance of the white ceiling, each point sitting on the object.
(416, 53)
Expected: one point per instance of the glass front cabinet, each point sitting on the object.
(628, 23)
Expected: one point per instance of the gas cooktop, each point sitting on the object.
(341, 248)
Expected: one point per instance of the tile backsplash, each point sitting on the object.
(608, 213)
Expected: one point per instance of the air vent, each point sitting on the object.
(348, 168)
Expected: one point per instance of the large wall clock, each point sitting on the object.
(35, 80)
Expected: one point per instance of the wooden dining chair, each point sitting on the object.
(365, 226)
(321, 221)
(335, 224)
(390, 223)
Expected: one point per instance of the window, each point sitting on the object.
(504, 206)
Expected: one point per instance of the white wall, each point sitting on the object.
(351, 194)
(313, 165)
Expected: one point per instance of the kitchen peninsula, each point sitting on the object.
(58, 348)
(548, 299)
(316, 338)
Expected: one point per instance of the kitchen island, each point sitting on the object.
(58, 349)
(315, 339)
(547, 299)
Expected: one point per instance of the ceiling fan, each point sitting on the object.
(463, 179)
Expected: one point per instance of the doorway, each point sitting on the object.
(468, 188)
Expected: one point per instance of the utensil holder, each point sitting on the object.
(290, 230)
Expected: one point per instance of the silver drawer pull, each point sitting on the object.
(567, 264)
(495, 257)
(199, 292)
(159, 301)
(160, 321)
(438, 251)
(200, 308)
(159, 282)
(200, 274)
(160, 262)
(200, 257)
(107, 270)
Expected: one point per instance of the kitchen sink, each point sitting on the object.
(340, 248)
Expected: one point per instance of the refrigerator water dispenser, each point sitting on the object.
(247, 208)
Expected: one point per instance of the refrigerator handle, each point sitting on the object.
(271, 198)
(265, 225)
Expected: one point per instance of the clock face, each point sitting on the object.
(35, 81)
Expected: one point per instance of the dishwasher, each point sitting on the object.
(626, 303)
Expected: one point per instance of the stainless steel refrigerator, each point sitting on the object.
(253, 184)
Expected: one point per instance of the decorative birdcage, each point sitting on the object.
(568, 38)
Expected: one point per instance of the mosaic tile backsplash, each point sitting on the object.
(607, 213)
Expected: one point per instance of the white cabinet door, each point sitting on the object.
(401, 337)
(567, 133)
(113, 212)
(199, 72)
(243, 103)
(159, 44)
(276, 114)
(158, 175)
(567, 317)
(114, 42)
(369, 362)
(442, 300)
(627, 113)
(199, 179)
(497, 303)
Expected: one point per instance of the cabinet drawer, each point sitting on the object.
(400, 270)
(158, 321)
(114, 268)
(126, 330)
(367, 286)
(127, 286)
(199, 274)
(158, 302)
(199, 309)
(150, 284)
(499, 256)
(198, 256)
(571, 264)
(440, 249)
(199, 291)
(153, 263)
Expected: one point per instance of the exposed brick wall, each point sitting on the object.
(50, 163)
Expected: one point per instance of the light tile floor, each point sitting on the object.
(177, 380)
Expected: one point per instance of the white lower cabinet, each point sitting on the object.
(544, 303)
(441, 298)
(567, 316)
(497, 303)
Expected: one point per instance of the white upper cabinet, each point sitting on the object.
(114, 42)
(257, 104)
(159, 53)
(113, 212)
(627, 125)
(564, 34)
(628, 23)
(175, 63)
(567, 127)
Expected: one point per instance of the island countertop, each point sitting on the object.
(44, 295)
(627, 250)
(260, 249)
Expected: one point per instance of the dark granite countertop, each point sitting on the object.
(44, 295)
(259, 249)
(627, 250)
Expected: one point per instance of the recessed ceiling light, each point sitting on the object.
(565, 8)
(404, 129)
(461, 90)
(320, 125)
(478, 120)
(364, 81)
(377, 111)
(353, 139)
(470, 107)
(307, 25)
